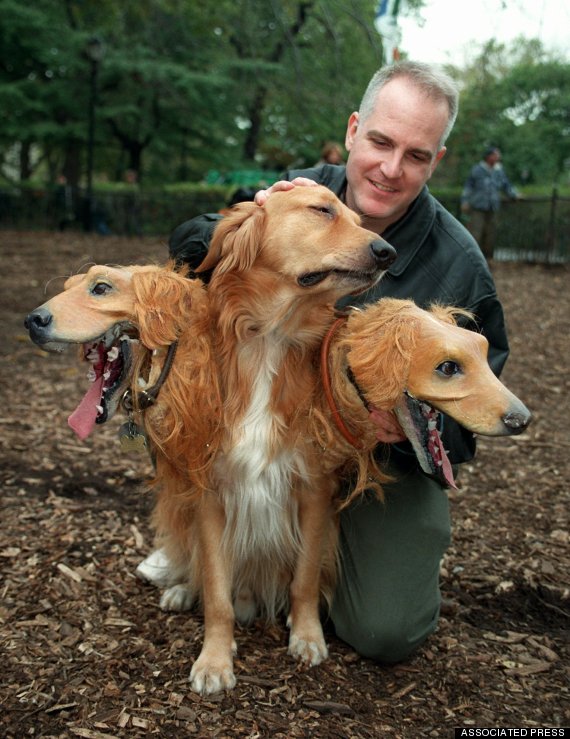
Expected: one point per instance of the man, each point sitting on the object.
(387, 600)
(481, 198)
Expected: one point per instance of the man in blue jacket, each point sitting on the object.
(481, 198)
(387, 600)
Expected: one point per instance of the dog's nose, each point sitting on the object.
(517, 421)
(38, 320)
(383, 252)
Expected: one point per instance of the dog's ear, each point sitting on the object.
(162, 305)
(453, 315)
(73, 281)
(236, 239)
(380, 349)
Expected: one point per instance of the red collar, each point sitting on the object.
(326, 379)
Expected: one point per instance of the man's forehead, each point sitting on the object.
(420, 121)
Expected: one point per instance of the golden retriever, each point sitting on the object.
(238, 511)
(277, 272)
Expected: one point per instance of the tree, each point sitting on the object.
(516, 97)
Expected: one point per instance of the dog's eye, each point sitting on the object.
(101, 288)
(324, 209)
(448, 368)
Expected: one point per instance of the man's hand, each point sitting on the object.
(282, 186)
(388, 430)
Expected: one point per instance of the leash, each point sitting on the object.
(326, 379)
(147, 398)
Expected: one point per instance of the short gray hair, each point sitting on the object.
(436, 84)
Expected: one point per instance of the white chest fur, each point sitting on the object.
(256, 477)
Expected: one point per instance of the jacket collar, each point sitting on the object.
(409, 234)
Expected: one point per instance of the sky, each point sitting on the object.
(453, 29)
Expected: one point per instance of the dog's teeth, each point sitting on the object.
(93, 356)
(106, 374)
(432, 424)
(113, 353)
(91, 375)
(99, 408)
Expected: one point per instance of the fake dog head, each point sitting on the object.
(303, 246)
(419, 362)
(108, 310)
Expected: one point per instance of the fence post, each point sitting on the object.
(551, 233)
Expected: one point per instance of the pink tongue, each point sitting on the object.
(82, 420)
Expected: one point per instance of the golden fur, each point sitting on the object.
(393, 346)
(249, 544)
(157, 306)
(239, 507)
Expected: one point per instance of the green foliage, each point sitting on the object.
(517, 98)
(185, 88)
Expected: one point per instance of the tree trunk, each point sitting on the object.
(256, 118)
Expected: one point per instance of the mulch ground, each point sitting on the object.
(86, 652)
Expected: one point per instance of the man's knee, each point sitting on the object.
(386, 643)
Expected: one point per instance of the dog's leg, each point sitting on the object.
(213, 670)
(306, 640)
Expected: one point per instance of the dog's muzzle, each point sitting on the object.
(37, 323)
(383, 252)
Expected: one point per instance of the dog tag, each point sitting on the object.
(131, 438)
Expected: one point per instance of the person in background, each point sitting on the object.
(481, 198)
(331, 153)
(387, 601)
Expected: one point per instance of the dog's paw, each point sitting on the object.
(177, 598)
(155, 569)
(211, 676)
(309, 649)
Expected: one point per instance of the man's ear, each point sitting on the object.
(351, 129)
(438, 157)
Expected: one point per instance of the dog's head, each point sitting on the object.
(111, 312)
(418, 362)
(149, 302)
(303, 242)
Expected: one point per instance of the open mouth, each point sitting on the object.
(110, 358)
(419, 422)
(314, 278)
(382, 188)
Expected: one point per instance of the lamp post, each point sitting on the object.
(94, 52)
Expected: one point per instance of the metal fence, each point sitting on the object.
(122, 213)
(536, 229)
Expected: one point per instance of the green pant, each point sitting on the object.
(387, 599)
(482, 225)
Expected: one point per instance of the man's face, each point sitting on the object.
(393, 152)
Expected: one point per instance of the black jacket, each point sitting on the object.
(438, 262)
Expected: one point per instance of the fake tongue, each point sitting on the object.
(82, 420)
(419, 422)
(438, 454)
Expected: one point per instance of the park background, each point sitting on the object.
(152, 112)
(194, 100)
